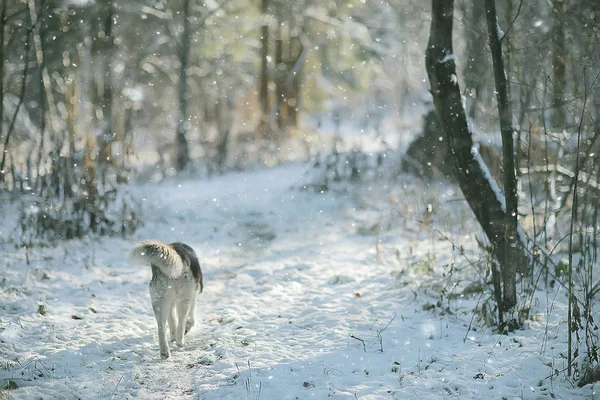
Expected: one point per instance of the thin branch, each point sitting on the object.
(379, 332)
(14, 15)
(513, 21)
(117, 385)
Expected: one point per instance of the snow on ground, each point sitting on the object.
(307, 296)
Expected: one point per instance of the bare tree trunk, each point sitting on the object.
(223, 129)
(263, 94)
(476, 183)
(289, 51)
(558, 65)
(43, 109)
(2, 29)
(46, 98)
(476, 68)
(183, 152)
(279, 77)
(103, 49)
(72, 90)
(508, 158)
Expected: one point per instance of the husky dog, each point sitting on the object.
(176, 281)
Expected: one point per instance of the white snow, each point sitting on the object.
(488, 177)
(448, 57)
(307, 296)
(499, 31)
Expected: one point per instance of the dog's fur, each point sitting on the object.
(176, 281)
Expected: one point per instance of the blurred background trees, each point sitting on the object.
(93, 93)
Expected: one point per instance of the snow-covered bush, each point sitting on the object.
(75, 200)
(114, 212)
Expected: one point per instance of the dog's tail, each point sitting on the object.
(159, 254)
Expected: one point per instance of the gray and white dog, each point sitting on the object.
(176, 281)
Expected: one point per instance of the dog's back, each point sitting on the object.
(190, 259)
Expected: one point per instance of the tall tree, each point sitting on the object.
(46, 96)
(477, 65)
(2, 30)
(289, 60)
(103, 47)
(263, 94)
(481, 192)
(558, 64)
(183, 126)
(508, 154)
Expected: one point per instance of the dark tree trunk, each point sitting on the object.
(279, 78)
(223, 129)
(474, 179)
(288, 50)
(103, 49)
(263, 94)
(477, 65)
(183, 152)
(508, 157)
(2, 29)
(558, 65)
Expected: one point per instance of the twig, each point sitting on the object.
(115, 389)
(383, 329)
(473, 317)
(360, 340)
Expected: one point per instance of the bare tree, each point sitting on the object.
(481, 192)
(477, 66)
(2, 28)
(183, 151)
(508, 157)
(183, 52)
(46, 96)
(558, 64)
(290, 56)
(102, 52)
(263, 94)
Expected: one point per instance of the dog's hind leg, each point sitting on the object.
(191, 320)
(162, 306)
(172, 323)
(183, 310)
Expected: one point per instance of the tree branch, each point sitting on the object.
(513, 21)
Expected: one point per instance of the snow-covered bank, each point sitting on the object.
(306, 296)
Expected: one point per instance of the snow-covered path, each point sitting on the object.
(299, 303)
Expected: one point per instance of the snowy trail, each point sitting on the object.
(298, 304)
